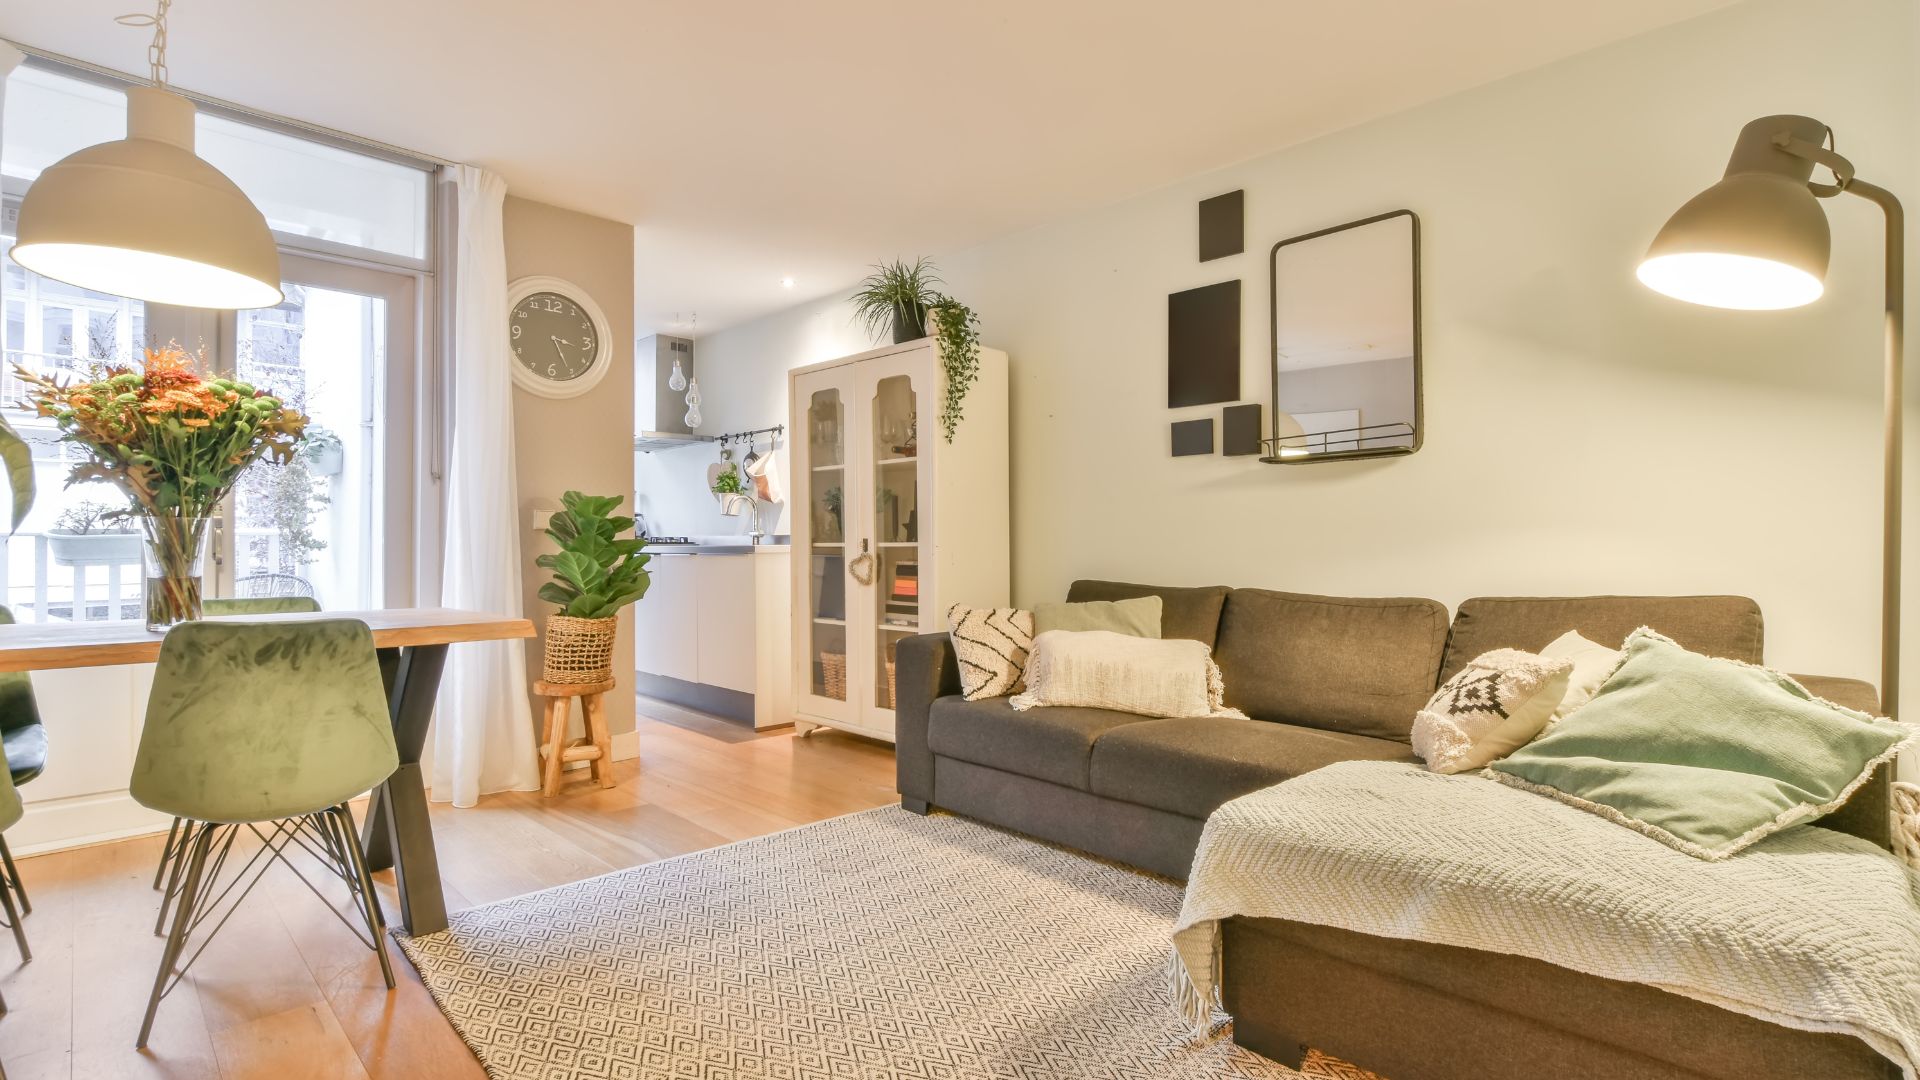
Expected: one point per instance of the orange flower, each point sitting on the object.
(195, 421)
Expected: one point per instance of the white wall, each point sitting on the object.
(1583, 434)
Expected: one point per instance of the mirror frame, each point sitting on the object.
(1271, 442)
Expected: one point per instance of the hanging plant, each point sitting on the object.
(957, 329)
(899, 299)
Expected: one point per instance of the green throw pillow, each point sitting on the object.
(1704, 755)
(1139, 617)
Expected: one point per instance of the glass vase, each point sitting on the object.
(176, 550)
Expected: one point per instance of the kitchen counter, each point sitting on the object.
(716, 549)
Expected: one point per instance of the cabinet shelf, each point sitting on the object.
(829, 544)
(829, 622)
(895, 461)
(828, 468)
(897, 544)
(898, 629)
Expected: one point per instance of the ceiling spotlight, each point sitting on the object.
(786, 283)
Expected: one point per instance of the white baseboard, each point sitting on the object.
(82, 820)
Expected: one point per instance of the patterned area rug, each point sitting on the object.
(879, 945)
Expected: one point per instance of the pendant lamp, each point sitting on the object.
(147, 218)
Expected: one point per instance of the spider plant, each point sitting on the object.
(895, 298)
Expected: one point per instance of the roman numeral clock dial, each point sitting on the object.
(559, 338)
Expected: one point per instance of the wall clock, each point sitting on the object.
(562, 345)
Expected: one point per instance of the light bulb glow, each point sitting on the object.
(146, 275)
(678, 380)
(1718, 279)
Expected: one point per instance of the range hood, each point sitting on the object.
(664, 426)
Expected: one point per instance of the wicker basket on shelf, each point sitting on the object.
(833, 675)
(578, 650)
(892, 687)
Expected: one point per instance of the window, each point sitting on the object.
(305, 188)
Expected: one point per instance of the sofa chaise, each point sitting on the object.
(1327, 679)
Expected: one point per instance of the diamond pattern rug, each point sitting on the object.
(878, 946)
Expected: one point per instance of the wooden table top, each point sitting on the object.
(44, 646)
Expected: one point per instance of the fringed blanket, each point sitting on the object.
(1810, 929)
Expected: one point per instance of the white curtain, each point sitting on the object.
(483, 730)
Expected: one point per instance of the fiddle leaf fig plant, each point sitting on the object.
(597, 571)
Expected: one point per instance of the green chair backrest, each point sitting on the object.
(18, 708)
(259, 605)
(254, 721)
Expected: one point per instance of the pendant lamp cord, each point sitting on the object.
(157, 51)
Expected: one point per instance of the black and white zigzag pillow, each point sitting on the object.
(991, 645)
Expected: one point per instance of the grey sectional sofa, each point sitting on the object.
(1329, 679)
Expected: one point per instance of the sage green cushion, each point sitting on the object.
(1139, 617)
(257, 721)
(1702, 754)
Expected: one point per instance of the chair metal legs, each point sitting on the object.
(14, 914)
(198, 886)
(167, 853)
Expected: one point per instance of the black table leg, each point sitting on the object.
(397, 831)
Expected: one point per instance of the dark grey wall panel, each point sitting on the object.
(1223, 225)
(1240, 430)
(1203, 345)
(1191, 437)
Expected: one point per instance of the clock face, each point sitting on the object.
(553, 337)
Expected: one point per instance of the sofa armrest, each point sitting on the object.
(924, 669)
(1869, 814)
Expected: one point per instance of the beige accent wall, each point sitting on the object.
(1584, 435)
(584, 442)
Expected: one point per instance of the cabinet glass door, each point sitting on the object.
(823, 494)
(896, 527)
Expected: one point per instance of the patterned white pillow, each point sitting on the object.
(991, 645)
(1593, 663)
(1494, 706)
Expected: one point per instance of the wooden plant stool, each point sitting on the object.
(596, 748)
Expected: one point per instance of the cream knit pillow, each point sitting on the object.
(1592, 663)
(1494, 706)
(1099, 669)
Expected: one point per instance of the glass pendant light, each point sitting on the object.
(678, 380)
(145, 217)
(693, 417)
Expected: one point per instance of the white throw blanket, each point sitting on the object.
(1810, 929)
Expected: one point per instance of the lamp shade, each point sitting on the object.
(146, 218)
(1758, 239)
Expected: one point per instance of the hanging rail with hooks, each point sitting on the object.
(775, 431)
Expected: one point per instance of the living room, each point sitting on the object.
(1140, 708)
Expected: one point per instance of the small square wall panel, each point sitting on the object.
(1240, 430)
(1192, 437)
(1203, 345)
(1223, 225)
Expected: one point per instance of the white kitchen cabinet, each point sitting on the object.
(724, 622)
(891, 523)
(665, 640)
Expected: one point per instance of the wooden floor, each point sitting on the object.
(286, 993)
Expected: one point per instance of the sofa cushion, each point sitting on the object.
(1048, 743)
(1190, 765)
(1192, 613)
(1724, 626)
(1363, 666)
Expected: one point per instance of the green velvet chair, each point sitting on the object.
(11, 810)
(223, 605)
(262, 728)
(25, 743)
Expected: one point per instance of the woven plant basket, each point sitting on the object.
(833, 675)
(579, 650)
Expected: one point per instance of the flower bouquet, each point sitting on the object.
(175, 444)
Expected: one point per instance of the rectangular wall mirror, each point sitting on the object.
(1346, 342)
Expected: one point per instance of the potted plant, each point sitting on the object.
(323, 452)
(94, 534)
(902, 299)
(730, 489)
(596, 572)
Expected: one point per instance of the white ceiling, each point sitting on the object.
(750, 140)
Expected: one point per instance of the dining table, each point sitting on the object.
(412, 644)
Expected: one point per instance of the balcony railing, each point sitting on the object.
(102, 584)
